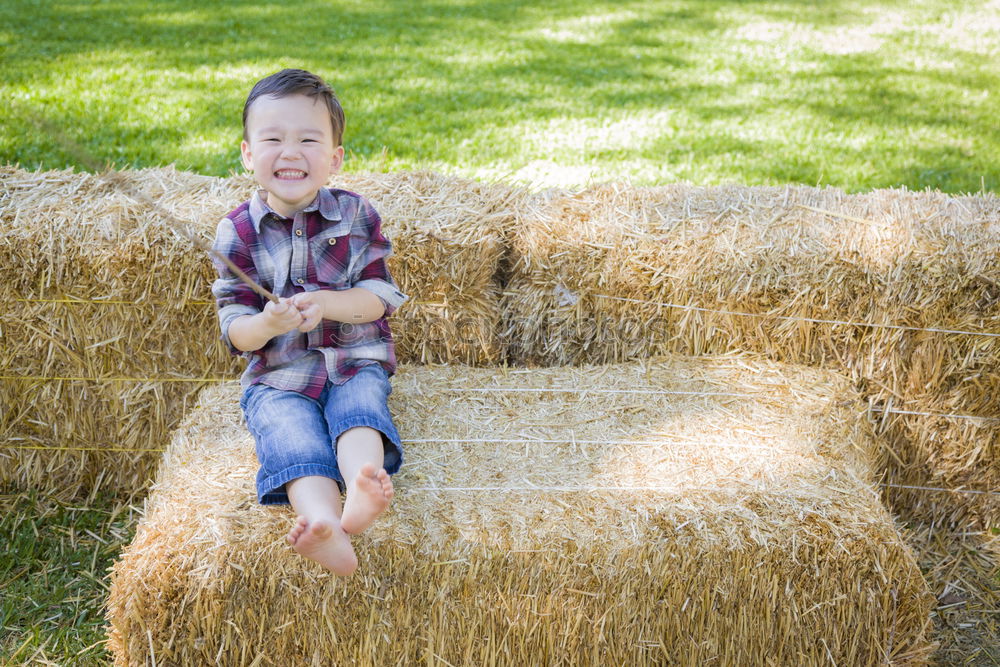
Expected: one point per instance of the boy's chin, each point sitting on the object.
(292, 189)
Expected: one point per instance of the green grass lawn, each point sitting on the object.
(855, 94)
(53, 565)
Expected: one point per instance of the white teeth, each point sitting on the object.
(290, 173)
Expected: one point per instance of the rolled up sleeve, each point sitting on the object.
(372, 273)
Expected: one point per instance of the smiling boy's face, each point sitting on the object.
(290, 149)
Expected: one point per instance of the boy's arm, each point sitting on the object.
(356, 305)
(247, 324)
(373, 293)
(251, 332)
(373, 273)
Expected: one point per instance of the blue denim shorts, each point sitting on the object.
(296, 435)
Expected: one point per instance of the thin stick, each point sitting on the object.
(88, 160)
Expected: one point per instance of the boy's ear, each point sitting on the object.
(338, 160)
(247, 157)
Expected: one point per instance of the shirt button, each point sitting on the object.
(298, 232)
(333, 241)
(300, 280)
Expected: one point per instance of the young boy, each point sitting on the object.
(316, 384)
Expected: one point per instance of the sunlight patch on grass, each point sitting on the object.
(586, 29)
(834, 40)
(972, 28)
(576, 137)
(211, 139)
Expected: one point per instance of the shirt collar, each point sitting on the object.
(324, 202)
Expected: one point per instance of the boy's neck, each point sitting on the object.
(284, 210)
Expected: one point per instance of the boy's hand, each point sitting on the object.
(281, 317)
(310, 308)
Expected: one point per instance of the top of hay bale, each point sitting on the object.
(458, 209)
(728, 440)
(96, 207)
(110, 229)
(877, 229)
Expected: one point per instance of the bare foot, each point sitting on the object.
(324, 542)
(367, 497)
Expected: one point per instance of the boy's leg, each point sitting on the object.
(360, 453)
(368, 448)
(297, 465)
(318, 534)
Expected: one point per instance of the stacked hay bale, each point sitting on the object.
(103, 313)
(107, 323)
(448, 235)
(618, 272)
(680, 511)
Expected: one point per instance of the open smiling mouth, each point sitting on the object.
(290, 174)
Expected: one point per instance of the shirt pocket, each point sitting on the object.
(331, 256)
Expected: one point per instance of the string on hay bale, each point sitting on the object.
(100, 286)
(618, 272)
(673, 510)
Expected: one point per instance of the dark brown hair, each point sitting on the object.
(298, 82)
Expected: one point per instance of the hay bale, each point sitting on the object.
(553, 516)
(100, 287)
(448, 237)
(776, 270)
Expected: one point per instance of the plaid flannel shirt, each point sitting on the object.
(335, 243)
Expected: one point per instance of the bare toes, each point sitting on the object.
(296, 532)
(366, 500)
(324, 542)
